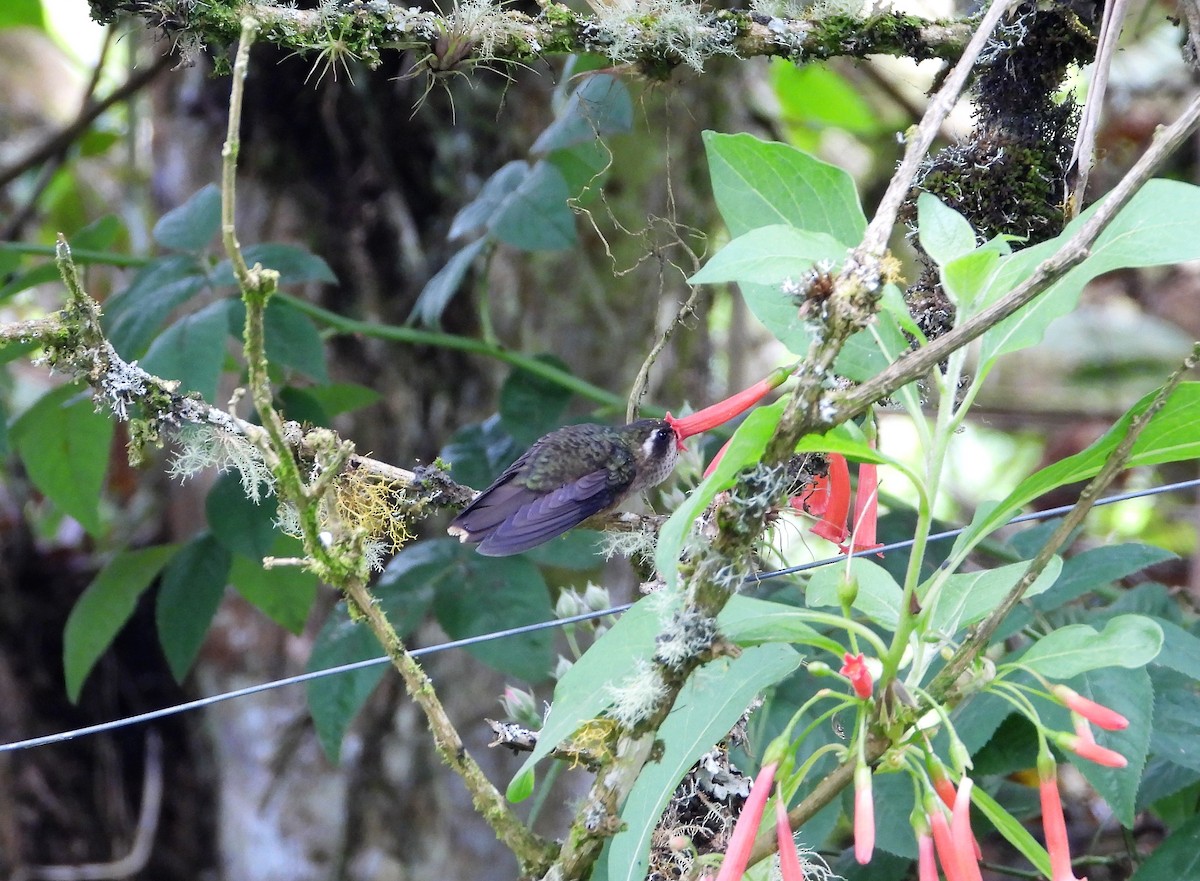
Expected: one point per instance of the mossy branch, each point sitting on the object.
(652, 35)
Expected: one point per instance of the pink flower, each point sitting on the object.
(1086, 747)
(945, 790)
(864, 815)
(942, 839)
(1097, 714)
(741, 843)
(866, 511)
(926, 864)
(961, 834)
(855, 669)
(723, 411)
(833, 515)
(1053, 822)
(789, 860)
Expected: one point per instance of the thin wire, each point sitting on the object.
(530, 628)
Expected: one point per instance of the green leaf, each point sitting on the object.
(478, 453)
(293, 263)
(1130, 693)
(770, 254)
(64, 444)
(967, 597)
(1126, 641)
(1176, 728)
(746, 447)
(582, 694)
(485, 594)
(760, 183)
(285, 594)
(237, 522)
(966, 277)
(440, 290)
(103, 609)
(22, 281)
(1176, 857)
(17, 13)
(1012, 830)
(1154, 229)
(192, 350)
(535, 216)
(98, 235)
(476, 216)
(192, 225)
(943, 232)
(879, 596)
(815, 96)
(319, 404)
(1180, 651)
(600, 107)
(1098, 567)
(191, 590)
(708, 706)
(531, 405)
(334, 701)
(1170, 437)
(133, 316)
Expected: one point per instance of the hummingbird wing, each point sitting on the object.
(508, 518)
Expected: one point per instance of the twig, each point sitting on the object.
(64, 137)
(339, 560)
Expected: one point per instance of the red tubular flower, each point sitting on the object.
(866, 511)
(734, 405)
(833, 518)
(947, 855)
(864, 815)
(814, 500)
(1097, 714)
(961, 834)
(854, 668)
(789, 860)
(1053, 822)
(1086, 747)
(926, 864)
(741, 843)
(947, 793)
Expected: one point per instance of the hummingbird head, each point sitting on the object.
(655, 447)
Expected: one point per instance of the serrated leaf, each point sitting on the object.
(293, 263)
(531, 405)
(236, 521)
(1130, 693)
(943, 232)
(192, 350)
(193, 584)
(708, 706)
(334, 701)
(285, 593)
(1178, 856)
(440, 290)
(133, 316)
(1180, 651)
(769, 255)
(64, 444)
(103, 609)
(192, 225)
(746, 447)
(601, 106)
(1127, 641)
(535, 216)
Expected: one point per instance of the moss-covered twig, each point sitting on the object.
(652, 35)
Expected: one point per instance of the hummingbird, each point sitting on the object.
(563, 479)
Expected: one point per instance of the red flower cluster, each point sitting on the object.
(829, 499)
(854, 668)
